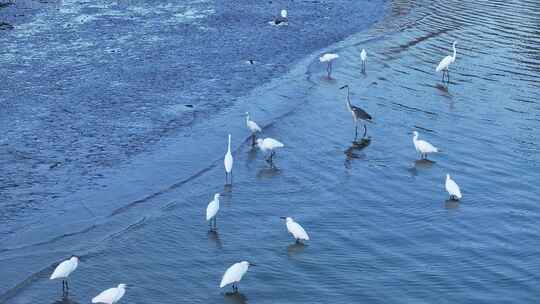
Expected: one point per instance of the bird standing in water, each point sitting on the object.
(228, 162)
(269, 144)
(63, 270)
(452, 188)
(111, 295)
(363, 56)
(328, 58)
(211, 212)
(233, 275)
(423, 147)
(445, 64)
(357, 114)
(296, 230)
(253, 128)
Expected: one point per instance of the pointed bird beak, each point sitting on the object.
(343, 87)
(250, 264)
(283, 217)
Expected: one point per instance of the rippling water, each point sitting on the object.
(382, 229)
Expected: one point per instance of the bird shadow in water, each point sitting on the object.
(65, 300)
(296, 248)
(357, 146)
(213, 236)
(252, 154)
(423, 163)
(268, 172)
(420, 164)
(227, 188)
(329, 80)
(451, 204)
(235, 298)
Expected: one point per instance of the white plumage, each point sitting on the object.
(111, 295)
(234, 274)
(423, 147)
(363, 55)
(284, 13)
(64, 269)
(452, 188)
(328, 57)
(269, 144)
(213, 207)
(446, 61)
(296, 230)
(228, 161)
(252, 126)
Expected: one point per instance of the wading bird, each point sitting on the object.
(296, 230)
(328, 58)
(63, 270)
(234, 274)
(445, 63)
(253, 128)
(212, 210)
(357, 114)
(111, 295)
(363, 56)
(423, 147)
(282, 20)
(452, 188)
(228, 162)
(269, 144)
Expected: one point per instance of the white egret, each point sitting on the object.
(212, 210)
(328, 58)
(423, 147)
(63, 270)
(234, 274)
(452, 188)
(445, 63)
(228, 162)
(363, 56)
(357, 114)
(253, 128)
(269, 144)
(111, 295)
(296, 230)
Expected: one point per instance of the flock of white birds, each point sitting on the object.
(234, 274)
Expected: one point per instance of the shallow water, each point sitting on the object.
(381, 226)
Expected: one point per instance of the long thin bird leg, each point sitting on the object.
(253, 140)
(365, 131)
(329, 69)
(448, 76)
(355, 130)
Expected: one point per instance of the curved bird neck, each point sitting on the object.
(229, 145)
(349, 100)
(454, 56)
